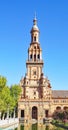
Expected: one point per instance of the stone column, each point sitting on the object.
(30, 113)
(40, 113)
(43, 113)
(26, 112)
(19, 113)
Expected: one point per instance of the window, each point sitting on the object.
(34, 93)
(22, 113)
(34, 38)
(38, 56)
(34, 57)
(38, 47)
(34, 72)
(34, 47)
(30, 56)
(27, 82)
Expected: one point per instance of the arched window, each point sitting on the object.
(38, 47)
(34, 72)
(35, 57)
(34, 111)
(65, 108)
(34, 93)
(38, 56)
(34, 38)
(31, 57)
(34, 47)
(58, 108)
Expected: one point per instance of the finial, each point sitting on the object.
(35, 20)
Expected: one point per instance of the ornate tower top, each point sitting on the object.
(34, 31)
(35, 27)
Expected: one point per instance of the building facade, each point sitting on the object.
(38, 100)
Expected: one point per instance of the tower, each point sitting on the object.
(34, 63)
(36, 89)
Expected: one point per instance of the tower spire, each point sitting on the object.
(35, 20)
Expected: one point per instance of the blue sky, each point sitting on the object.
(16, 20)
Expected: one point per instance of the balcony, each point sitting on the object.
(34, 62)
(34, 100)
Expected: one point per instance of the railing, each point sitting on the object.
(61, 101)
(8, 122)
(43, 100)
(38, 61)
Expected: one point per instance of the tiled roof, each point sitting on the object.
(59, 94)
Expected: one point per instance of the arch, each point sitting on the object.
(34, 47)
(38, 47)
(34, 57)
(30, 56)
(38, 56)
(34, 112)
(58, 108)
(34, 38)
(65, 108)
